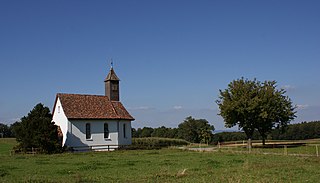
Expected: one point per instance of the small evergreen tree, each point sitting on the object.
(37, 131)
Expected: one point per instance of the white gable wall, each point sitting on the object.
(60, 119)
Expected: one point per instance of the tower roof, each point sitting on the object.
(112, 76)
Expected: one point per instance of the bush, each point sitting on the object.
(156, 143)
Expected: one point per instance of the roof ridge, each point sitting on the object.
(81, 94)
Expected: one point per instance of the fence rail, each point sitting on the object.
(31, 150)
(34, 151)
(98, 148)
(300, 149)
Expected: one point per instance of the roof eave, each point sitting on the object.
(131, 119)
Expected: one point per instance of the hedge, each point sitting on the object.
(156, 143)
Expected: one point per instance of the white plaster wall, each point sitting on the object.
(60, 119)
(125, 140)
(77, 133)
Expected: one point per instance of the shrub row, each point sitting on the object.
(156, 143)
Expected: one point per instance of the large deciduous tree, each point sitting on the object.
(252, 105)
(195, 130)
(37, 131)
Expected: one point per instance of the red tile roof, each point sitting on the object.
(77, 106)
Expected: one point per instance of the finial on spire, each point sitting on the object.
(111, 63)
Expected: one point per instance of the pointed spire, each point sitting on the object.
(112, 75)
(112, 85)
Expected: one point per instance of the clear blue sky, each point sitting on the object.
(172, 56)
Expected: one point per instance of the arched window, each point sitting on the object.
(106, 131)
(124, 131)
(88, 131)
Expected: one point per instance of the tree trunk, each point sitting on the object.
(263, 135)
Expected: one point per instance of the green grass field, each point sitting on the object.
(6, 145)
(166, 165)
(308, 149)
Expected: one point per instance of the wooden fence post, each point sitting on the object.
(285, 150)
(317, 150)
(249, 145)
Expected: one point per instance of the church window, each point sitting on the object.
(106, 131)
(124, 131)
(88, 131)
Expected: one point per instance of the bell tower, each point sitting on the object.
(112, 85)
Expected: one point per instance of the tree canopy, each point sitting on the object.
(251, 105)
(5, 131)
(37, 131)
(195, 130)
(192, 130)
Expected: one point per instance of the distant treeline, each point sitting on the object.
(191, 130)
(300, 131)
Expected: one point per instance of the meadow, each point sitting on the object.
(164, 165)
(295, 147)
